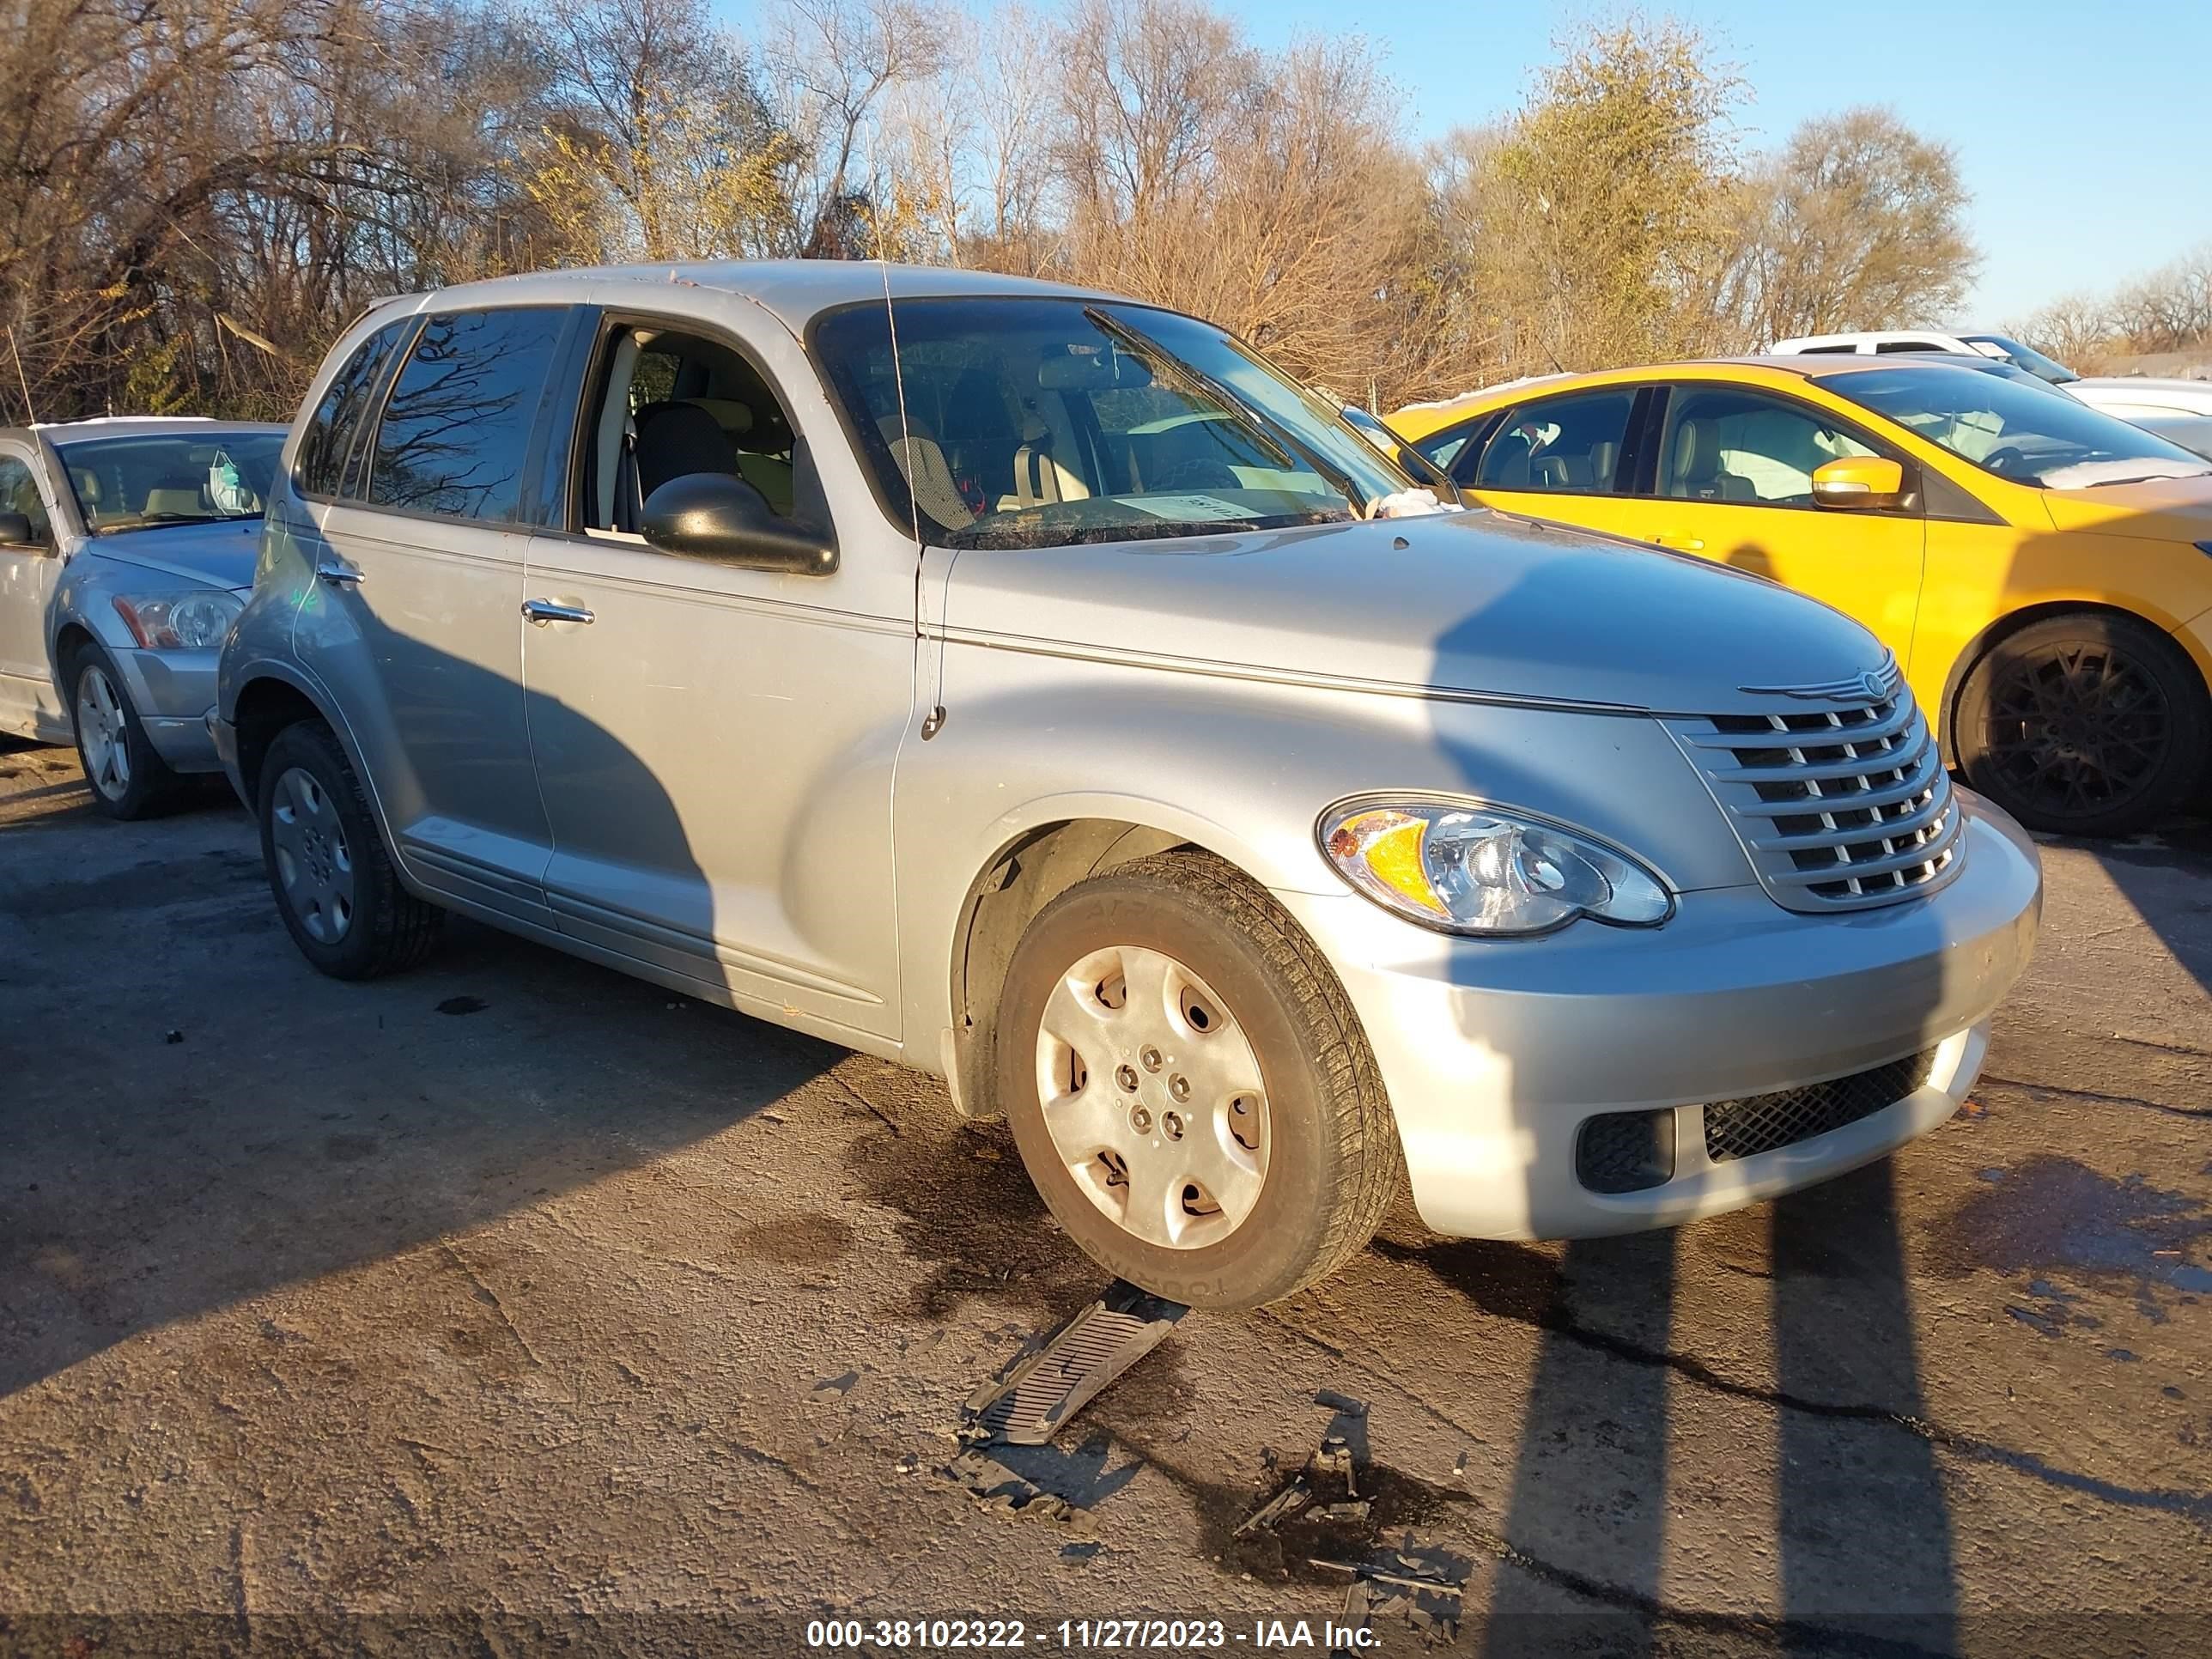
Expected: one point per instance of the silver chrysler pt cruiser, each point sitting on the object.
(1040, 688)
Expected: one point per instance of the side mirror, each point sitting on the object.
(714, 515)
(15, 530)
(1858, 481)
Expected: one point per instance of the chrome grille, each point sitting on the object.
(1841, 805)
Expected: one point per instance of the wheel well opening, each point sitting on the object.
(67, 643)
(266, 707)
(2003, 630)
(1021, 879)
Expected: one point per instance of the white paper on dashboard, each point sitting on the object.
(1188, 508)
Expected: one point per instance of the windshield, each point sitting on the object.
(1041, 422)
(198, 476)
(2026, 357)
(2018, 431)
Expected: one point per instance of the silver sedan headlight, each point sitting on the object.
(1467, 867)
(194, 621)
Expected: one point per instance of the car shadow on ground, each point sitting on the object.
(165, 1154)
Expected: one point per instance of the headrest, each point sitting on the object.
(897, 431)
(677, 440)
(734, 417)
(185, 501)
(1698, 449)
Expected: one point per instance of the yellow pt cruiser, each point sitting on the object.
(2043, 570)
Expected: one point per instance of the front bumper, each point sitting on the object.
(1495, 1052)
(173, 692)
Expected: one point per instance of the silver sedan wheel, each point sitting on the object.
(1152, 1095)
(102, 728)
(314, 866)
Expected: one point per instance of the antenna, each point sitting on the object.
(933, 722)
(30, 415)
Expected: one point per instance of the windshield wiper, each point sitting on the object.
(1270, 435)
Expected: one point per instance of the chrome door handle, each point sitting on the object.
(339, 575)
(542, 612)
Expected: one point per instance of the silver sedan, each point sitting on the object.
(126, 550)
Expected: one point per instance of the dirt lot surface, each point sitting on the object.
(513, 1303)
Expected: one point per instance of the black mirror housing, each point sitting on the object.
(15, 530)
(718, 516)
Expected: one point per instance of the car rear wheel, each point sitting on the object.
(333, 880)
(2087, 725)
(128, 777)
(1189, 1087)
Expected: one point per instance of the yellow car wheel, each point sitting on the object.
(2086, 724)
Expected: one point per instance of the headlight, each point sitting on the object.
(1464, 868)
(178, 622)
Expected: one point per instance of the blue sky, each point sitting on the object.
(2084, 132)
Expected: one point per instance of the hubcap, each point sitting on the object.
(314, 866)
(2077, 729)
(100, 727)
(1152, 1095)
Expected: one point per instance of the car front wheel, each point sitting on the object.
(1189, 1087)
(128, 777)
(334, 882)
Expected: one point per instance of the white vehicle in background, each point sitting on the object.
(1885, 341)
(2179, 410)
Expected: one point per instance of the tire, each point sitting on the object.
(1307, 1163)
(328, 869)
(2086, 724)
(126, 774)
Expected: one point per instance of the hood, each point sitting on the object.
(219, 553)
(1473, 603)
(2158, 509)
(2141, 388)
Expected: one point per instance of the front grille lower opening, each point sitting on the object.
(1761, 1123)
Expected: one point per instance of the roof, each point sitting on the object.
(1419, 419)
(795, 291)
(138, 426)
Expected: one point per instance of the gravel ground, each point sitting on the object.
(512, 1304)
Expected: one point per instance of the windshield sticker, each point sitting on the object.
(1188, 509)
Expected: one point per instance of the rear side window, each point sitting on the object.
(1573, 443)
(319, 466)
(455, 437)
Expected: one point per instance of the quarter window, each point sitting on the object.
(18, 493)
(1572, 445)
(455, 437)
(320, 464)
(1725, 445)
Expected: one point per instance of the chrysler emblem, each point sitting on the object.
(1872, 686)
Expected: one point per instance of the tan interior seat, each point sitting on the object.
(923, 465)
(185, 502)
(1694, 470)
(770, 474)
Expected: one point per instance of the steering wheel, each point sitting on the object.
(1200, 472)
(2002, 460)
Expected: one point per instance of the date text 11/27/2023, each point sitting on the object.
(1170, 1635)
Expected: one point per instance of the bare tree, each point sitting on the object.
(1858, 222)
(661, 146)
(830, 64)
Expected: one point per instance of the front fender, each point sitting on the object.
(1245, 769)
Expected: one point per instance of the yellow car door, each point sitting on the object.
(1734, 483)
(1569, 457)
